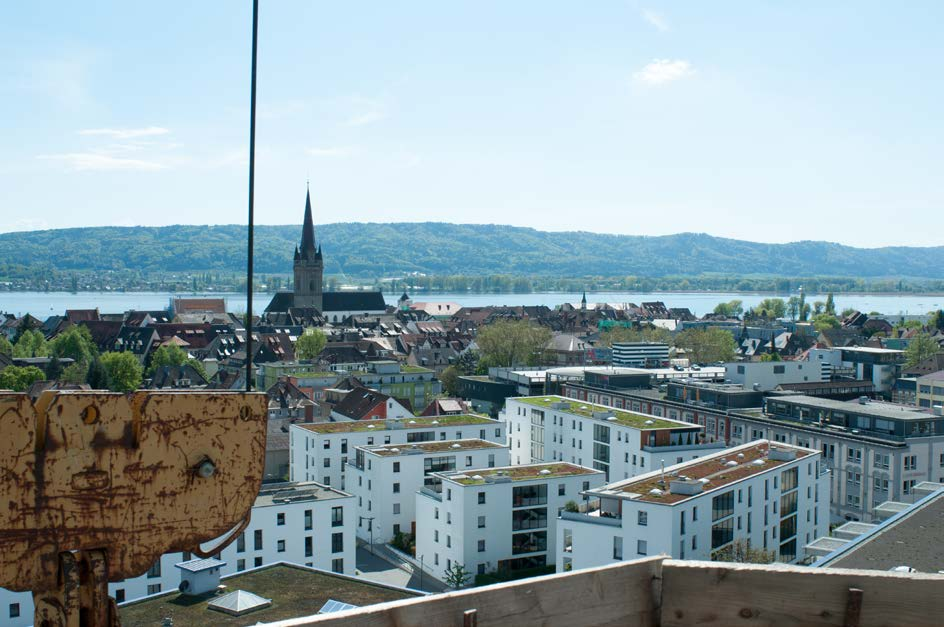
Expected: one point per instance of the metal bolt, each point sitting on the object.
(206, 469)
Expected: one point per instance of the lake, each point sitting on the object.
(44, 304)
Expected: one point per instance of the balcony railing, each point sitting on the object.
(593, 517)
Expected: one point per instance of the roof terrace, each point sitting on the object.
(528, 472)
(406, 423)
(591, 410)
(441, 446)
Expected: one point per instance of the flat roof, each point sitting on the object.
(417, 422)
(870, 349)
(911, 538)
(295, 591)
(281, 493)
(441, 446)
(624, 418)
(873, 408)
(526, 472)
(712, 467)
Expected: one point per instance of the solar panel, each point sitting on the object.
(335, 606)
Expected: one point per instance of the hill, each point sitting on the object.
(371, 250)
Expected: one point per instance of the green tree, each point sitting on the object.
(450, 380)
(512, 343)
(168, 355)
(31, 344)
(920, 348)
(730, 309)
(707, 345)
(936, 321)
(804, 308)
(771, 357)
(97, 377)
(310, 344)
(18, 378)
(456, 576)
(824, 321)
(123, 370)
(5, 347)
(793, 307)
(76, 343)
(830, 304)
(74, 373)
(848, 311)
(771, 308)
(741, 551)
(53, 369)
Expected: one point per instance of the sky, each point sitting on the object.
(767, 121)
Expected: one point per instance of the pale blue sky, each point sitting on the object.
(770, 121)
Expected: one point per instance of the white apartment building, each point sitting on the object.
(640, 354)
(492, 519)
(302, 523)
(621, 443)
(877, 451)
(319, 451)
(763, 376)
(774, 496)
(385, 479)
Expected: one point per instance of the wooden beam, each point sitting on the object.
(712, 593)
(617, 595)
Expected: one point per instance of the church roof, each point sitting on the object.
(333, 302)
(307, 250)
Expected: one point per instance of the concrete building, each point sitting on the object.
(496, 519)
(769, 496)
(929, 391)
(385, 479)
(877, 451)
(319, 451)
(641, 354)
(880, 366)
(765, 376)
(303, 523)
(620, 443)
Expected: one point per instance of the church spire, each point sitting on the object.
(308, 231)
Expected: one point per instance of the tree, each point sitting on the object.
(804, 308)
(174, 356)
(771, 308)
(5, 347)
(456, 576)
(123, 370)
(31, 344)
(741, 551)
(53, 369)
(74, 373)
(97, 377)
(468, 362)
(450, 380)
(936, 321)
(76, 343)
(819, 307)
(18, 378)
(848, 311)
(730, 309)
(646, 333)
(707, 345)
(824, 321)
(793, 307)
(310, 344)
(771, 357)
(830, 304)
(512, 343)
(920, 348)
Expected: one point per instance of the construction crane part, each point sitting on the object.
(97, 486)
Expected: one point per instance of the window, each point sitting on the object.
(153, 588)
(337, 565)
(257, 539)
(120, 595)
(854, 455)
(642, 518)
(257, 562)
(337, 516)
(396, 508)
(722, 533)
(15, 608)
(396, 466)
(327, 444)
(911, 462)
(682, 523)
(641, 547)
(468, 461)
(481, 498)
(448, 494)
(280, 546)
(481, 522)
(370, 440)
(327, 462)
(436, 513)
(241, 542)
(280, 519)
(344, 447)
(386, 439)
(907, 485)
(308, 524)
(337, 542)
(561, 489)
(617, 547)
(308, 547)
(396, 488)
(694, 513)
(481, 546)
(448, 541)
(435, 535)
(155, 570)
(722, 506)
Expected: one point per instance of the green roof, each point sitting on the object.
(625, 418)
(408, 423)
(527, 472)
(295, 591)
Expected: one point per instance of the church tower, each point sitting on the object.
(309, 266)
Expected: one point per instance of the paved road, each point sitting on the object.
(378, 569)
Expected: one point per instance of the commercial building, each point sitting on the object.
(620, 443)
(763, 495)
(929, 391)
(765, 376)
(319, 451)
(641, 354)
(496, 519)
(385, 479)
(303, 523)
(880, 366)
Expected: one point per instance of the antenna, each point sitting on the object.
(252, 179)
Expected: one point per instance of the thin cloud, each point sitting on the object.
(126, 133)
(662, 71)
(332, 151)
(365, 118)
(656, 20)
(97, 162)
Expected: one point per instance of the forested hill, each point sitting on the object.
(372, 250)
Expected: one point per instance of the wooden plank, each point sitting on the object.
(711, 593)
(619, 594)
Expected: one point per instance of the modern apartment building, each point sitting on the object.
(319, 451)
(496, 519)
(620, 443)
(385, 479)
(766, 495)
(641, 354)
(877, 451)
(880, 366)
(302, 523)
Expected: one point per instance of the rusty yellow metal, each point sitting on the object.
(131, 476)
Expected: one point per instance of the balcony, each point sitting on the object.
(596, 518)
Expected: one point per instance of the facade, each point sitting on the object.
(764, 376)
(929, 390)
(303, 523)
(385, 479)
(768, 495)
(619, 443)
(880, 366)
(877, 451)
(496, 519)
(640, 354)
(320, 451)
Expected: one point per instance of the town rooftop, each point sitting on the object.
(417, 422)
(624, 418)
(441, 446)
(277, 493)
(529, 472)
